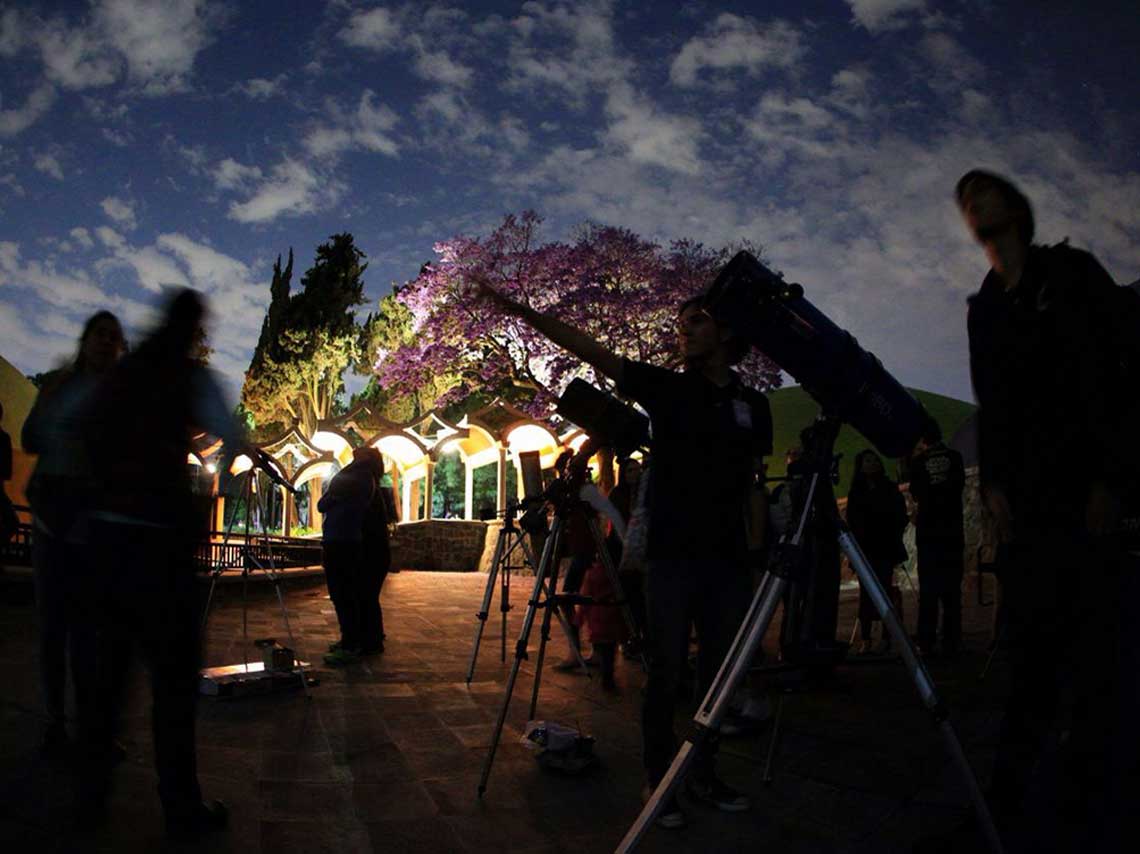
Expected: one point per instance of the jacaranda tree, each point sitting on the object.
(622, 289)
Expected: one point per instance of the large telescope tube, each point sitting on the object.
(847, 381)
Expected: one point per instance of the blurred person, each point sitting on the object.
(346, 504)
(61, 492)
(876, 515)
(698, 550)
(8, 521)
(1055, 363)
(937, 478)
(144, 531)
(603, 620)
(624, 497)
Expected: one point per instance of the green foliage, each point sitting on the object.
(307, 340)
(382, 333)
(447, 488)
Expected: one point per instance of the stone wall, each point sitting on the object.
(451, 545)
(445, 545)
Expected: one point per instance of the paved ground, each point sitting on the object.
(386, 755)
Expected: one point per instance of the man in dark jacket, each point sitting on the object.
(698, 545)
(345, 505)
(1055, 360)
(937, 478)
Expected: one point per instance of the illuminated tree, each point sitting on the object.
(620, 288)
(307, 340)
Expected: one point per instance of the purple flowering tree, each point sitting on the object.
(618, 287)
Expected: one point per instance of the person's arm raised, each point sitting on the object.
(562, 334)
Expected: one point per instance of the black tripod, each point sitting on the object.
(254, 553)
(787, 563)
(511, 539)
(563, 495)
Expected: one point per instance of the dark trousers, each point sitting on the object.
(940, 569)
(1067, 744)
(149, 606)
(343, 574)
(680, 593)
(374, 570)
(868, 613)
(65, 601)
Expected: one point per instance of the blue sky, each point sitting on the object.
(189, 142)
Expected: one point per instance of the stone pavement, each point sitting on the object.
(386, 755)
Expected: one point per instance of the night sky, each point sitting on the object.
(189, 142)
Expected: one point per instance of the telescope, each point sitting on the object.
(848, 382)
(604, 418)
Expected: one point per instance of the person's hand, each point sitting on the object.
(1102, 510)
(998, 506)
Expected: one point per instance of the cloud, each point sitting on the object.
(879, 15)
(82, 236)
(732, 42)
(79, 57)
(650, 136)
(231, 175)
(559, 50)
(122, 211)
(377, 29)
(367, 128)
(17, 120)
(159, 41)
(261, 88)
(291, 189)
(49, 165)
(12, 33)
(438, 67)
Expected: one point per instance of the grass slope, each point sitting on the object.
(793, 409)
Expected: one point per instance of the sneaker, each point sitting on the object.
(716, 793)
(670, 816)
(342, 657)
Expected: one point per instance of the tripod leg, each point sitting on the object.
(715, 704)
(773, 741)
(548, 552)
(993, 653)
(275, 577)
(922, 681)
(485, 608)
(550, 605)
(209, 601)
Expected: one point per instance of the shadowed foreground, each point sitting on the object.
(386, 755)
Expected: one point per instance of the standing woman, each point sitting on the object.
(60, 492)
(876, 514)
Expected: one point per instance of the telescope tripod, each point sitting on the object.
(787, 562)
(544, 596)
(511, 539)
(250, 563)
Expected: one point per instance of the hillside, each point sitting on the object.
(793, 409)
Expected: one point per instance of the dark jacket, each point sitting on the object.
(937, 478)
(346, 502)
(1056, 367)
(877, 518)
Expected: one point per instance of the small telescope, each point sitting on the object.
(848, 382)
